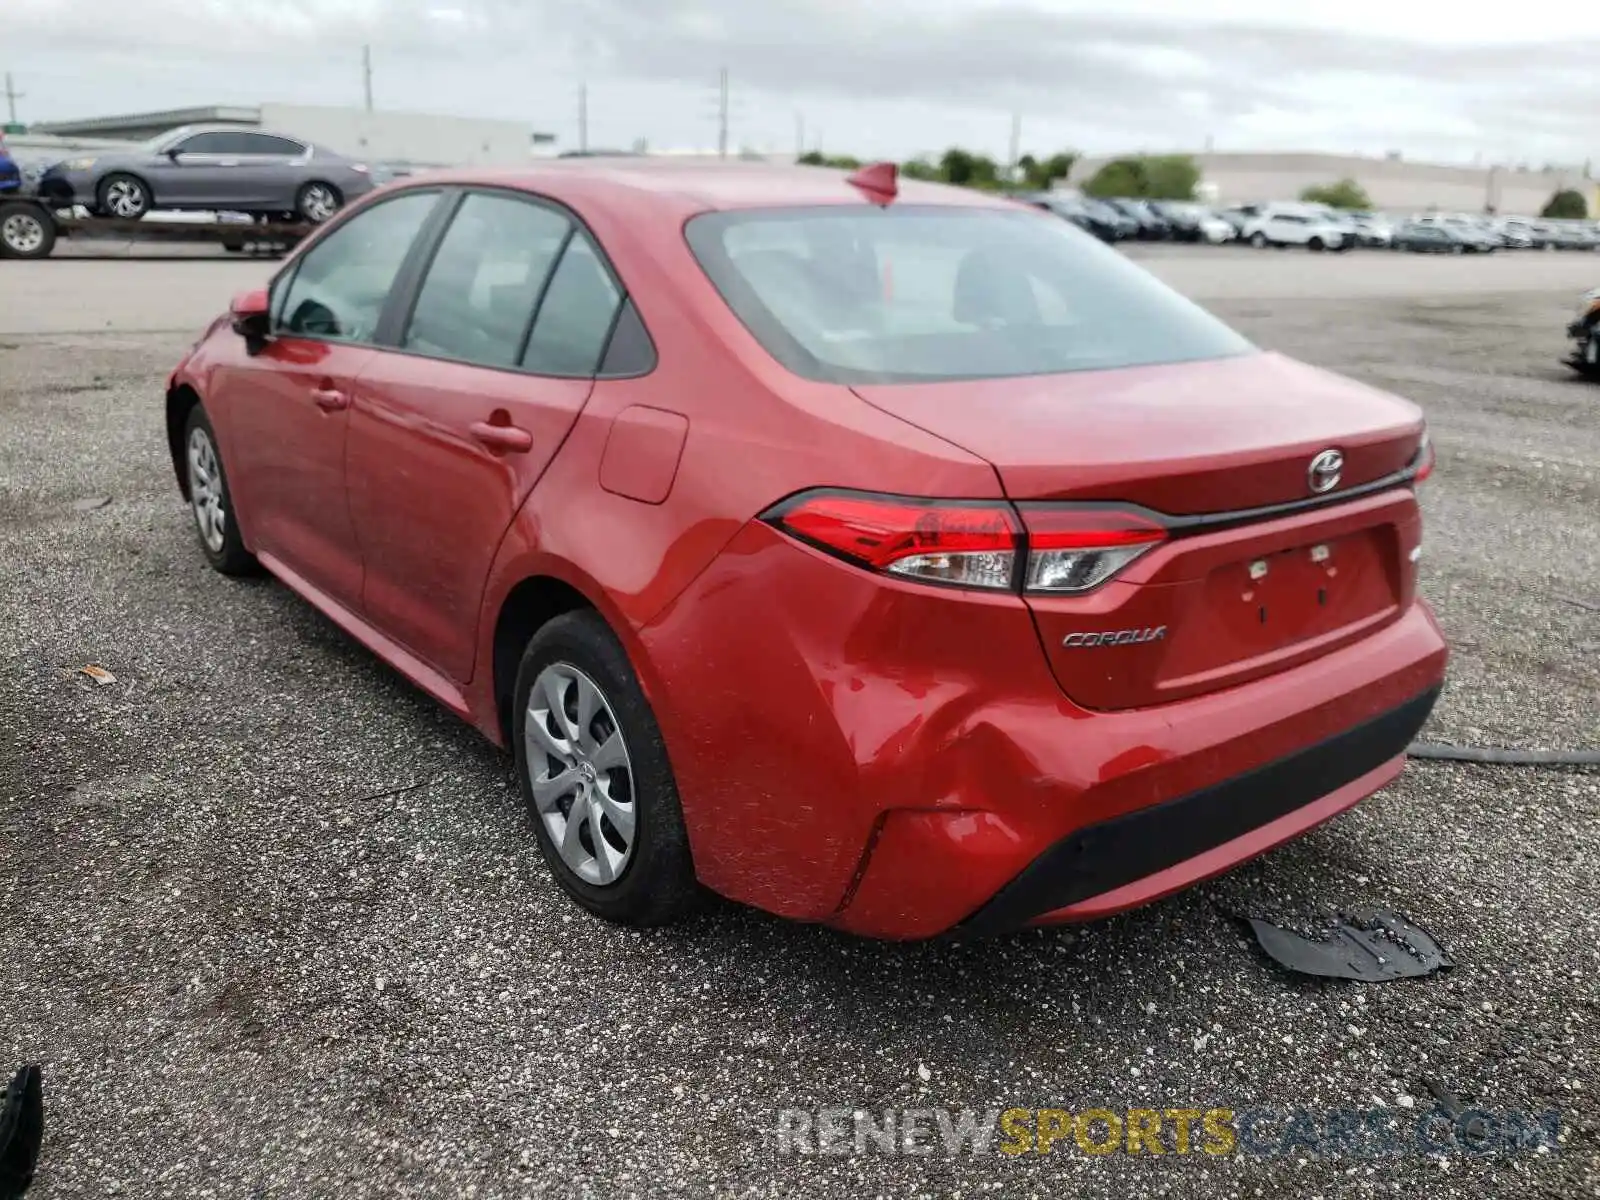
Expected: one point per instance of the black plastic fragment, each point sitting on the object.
(21, 1130)
(1475, 1130)
(1374, 947)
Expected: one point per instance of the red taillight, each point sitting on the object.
(1424, 459)
(961, 544)
(976, 544)
(1074, 550)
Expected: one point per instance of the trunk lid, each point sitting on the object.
(1215, 605)
(1182, 438)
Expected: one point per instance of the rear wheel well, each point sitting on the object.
(181, 400)
(529, 607)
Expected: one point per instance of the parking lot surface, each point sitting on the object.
(276, 925)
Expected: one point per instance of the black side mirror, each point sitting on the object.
(174, 153)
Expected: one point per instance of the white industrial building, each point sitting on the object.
(1394, 184)
(392, 137)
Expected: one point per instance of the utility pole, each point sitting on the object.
(12, 96)
(1016, 142)
(799, 134)
(722, 116)
(366, 74)
(583, 117)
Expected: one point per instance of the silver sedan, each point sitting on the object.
(211, 168)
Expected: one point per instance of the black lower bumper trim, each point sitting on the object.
(1103, 857)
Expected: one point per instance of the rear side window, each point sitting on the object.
(340, 286)
(576, 315)
(205, 143)
(266, 143)
(917, 294)
(478, 297)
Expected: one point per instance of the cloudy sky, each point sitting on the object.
(874, 77)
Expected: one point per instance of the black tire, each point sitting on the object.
(312, 200)
(1258, 240)
(1587, 361)
(26, 231)
(1316, 245)
(657, 883)
(230, 556)
(108, 197)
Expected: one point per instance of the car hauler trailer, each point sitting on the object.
(30, 228)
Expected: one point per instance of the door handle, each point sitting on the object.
(330, 399)
(502, 437)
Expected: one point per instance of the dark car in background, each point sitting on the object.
(1088, 215)
(211, 169)
(1184, 218)
(1423, 238)
(1152, 226)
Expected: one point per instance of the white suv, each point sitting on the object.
(1291, 225)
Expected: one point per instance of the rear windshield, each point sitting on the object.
(918, 294)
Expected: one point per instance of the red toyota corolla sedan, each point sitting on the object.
(889, 556)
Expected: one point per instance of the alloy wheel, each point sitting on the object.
(125, 198)
(580, 774)
(22, 233)
(319, 203)
(205, 491)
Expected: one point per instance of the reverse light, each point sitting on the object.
(1072, 550)
(958, 544)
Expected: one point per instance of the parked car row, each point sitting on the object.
(1128, 219)
(1315, 227)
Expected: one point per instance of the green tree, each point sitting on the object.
(1151, 177)
(1039, 174)
(1059, 166)
(1171, 177)
(1347, 193)
(1566, 204)
(1119, 177)
(812, 158)
(919, 168)
(957, 166)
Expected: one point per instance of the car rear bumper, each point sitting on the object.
(1232, 776)
(1150, 852)
(889, 758)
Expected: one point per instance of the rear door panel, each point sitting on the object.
(430, 503)
(431, 493)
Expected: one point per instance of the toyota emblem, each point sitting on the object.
(1324, 472)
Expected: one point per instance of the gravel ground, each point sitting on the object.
(277, 927)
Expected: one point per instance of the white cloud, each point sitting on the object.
(885, 78)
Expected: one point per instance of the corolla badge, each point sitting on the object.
(1116, 637)
(1324, 472)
